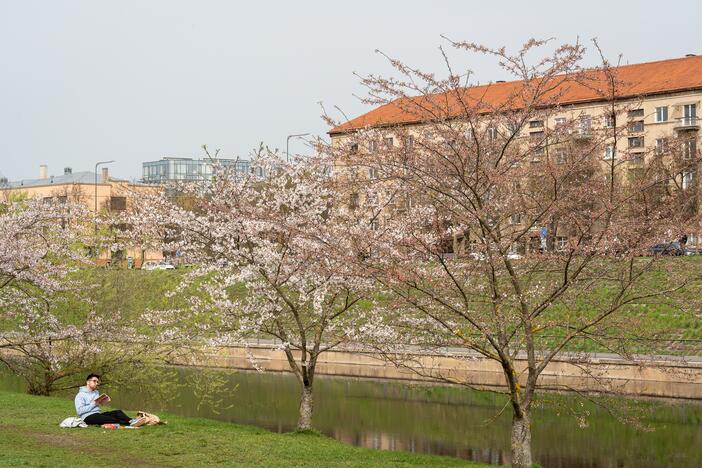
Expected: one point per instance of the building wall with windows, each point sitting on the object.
(662, 102)
(106, 193)
(188, 169)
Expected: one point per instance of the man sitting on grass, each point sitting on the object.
(88, 406)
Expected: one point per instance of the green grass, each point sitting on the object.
(132, 291)
(30, 436)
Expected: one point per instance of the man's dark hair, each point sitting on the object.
(90, 376)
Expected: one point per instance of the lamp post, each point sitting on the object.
(96, 203)
(287, 143)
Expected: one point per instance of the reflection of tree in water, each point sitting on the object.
(442, 420)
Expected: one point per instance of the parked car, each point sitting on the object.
(667, 248)
(153, 265)
(692, 250)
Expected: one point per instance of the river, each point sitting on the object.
(434, 419)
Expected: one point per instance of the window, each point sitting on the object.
(388, 142)
(636, 142)
(538, 153)
(561, 156)
(409, 142)
(636, 113)
(353, 201)
(687, 177)
(353, 148)
(372, 173)
(689, 149)
(609, 152)
(585, 125)
(636, 158)
(662, 114)
(561, 243)
(469, 133)
(118, 203)
(560, 121)
(689, 114)
(373, 146)
(636, 126)
(661, 146)
(536, 136)
(374, 225)
(608, 120)
(492, 133)
(536, 124)
(513, 127)
(516, 218)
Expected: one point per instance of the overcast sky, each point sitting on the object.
(83, 81)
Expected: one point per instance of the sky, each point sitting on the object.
(134, 81)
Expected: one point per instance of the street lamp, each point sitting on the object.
(96, 204)
(287, 143)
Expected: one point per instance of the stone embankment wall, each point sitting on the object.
(660, 377)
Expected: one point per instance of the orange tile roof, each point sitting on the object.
(641, 79)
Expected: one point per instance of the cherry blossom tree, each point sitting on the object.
(44, 338)
(37, 252)
(276, 232)
(516, 231)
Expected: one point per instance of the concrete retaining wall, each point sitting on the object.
(660, 378)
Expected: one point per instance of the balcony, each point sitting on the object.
(581, 133)
(687, 123)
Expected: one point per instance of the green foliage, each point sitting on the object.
(663, 319)
(210, 388)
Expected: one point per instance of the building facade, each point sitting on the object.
(102, 193)
(662, 101)
(170, 169)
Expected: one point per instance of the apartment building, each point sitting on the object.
(661, 100)
(94, 191)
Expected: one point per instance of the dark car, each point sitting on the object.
(667, 248)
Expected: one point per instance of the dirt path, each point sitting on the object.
(79, 445)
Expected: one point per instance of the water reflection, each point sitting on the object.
(443, 420)
(390, 441)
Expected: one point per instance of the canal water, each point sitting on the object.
(443, 420)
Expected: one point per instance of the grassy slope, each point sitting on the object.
(132, 291)
(29, 435)
(135, 290)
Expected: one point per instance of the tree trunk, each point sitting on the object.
(521, 441)
(306, 404)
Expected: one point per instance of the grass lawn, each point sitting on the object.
(666, 328)
(30, 436)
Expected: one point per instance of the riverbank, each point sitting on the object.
(658, 377)
(30, 436)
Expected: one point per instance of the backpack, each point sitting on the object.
(151, 419)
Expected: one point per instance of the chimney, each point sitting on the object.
(105, 175)
(67, 171)
(43, 171)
